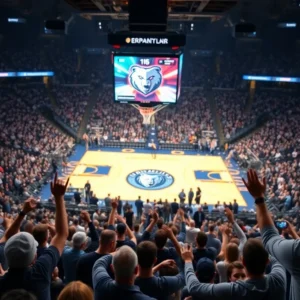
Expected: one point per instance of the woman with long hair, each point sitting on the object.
(198, 196)
(232, 254)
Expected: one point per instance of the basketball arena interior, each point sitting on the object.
(162, 100)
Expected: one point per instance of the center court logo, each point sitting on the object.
(150, 179)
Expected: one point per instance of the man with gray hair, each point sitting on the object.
(191, 233)
(125, 266)
(71, 255)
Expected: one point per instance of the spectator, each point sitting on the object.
(156, 287)
(107, 245)
(201, 250)
(18, 295)
(212, 241)
(286, 251)
(258, 285)
(20, 251)
(199, 217)
(205, 272)
(236, 271)
(122, 229)
(191, 233)
(139, 207)
(76, 290)
(71, 255)
(125, 265)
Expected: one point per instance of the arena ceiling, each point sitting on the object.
(178, 9)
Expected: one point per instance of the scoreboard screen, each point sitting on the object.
(147, 79)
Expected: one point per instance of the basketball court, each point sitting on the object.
(131, 174)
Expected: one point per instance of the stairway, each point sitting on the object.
(88, 110)
(251, 97)
(52, 118)
(217, 122)
(51, 96)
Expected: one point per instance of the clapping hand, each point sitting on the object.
(187, 253)
(58, 187)
(29, 205)
(255, 187)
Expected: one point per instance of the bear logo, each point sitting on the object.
(145, 80)
(150, 179)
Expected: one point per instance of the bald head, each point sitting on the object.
(192, 223)
(125, 264)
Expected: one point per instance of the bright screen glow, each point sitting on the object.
(145, 79)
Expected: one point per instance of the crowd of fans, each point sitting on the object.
(28, 140)
(71, 104)
(277, 145)
(116, 122)
(275, 63)
(190, 116)
(31, 58)
(175, 124)
(231, 107)
(52, 255)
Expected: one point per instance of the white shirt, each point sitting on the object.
(80, 228)
(191, 234)
(147, 207)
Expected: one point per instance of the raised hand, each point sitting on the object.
(114, 203)
(29, 205)
(229, 215)
(155, 216)
(187, 253)
(2, 272)
(169, 263)
(58, 187)
(85, 216)
(255, 187)
(121, 219)
(167, 230)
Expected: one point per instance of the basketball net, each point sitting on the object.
(148, 112)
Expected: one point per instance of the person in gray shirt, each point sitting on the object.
(212, 241)
(258, 286)
(107, 201)
(287, 252)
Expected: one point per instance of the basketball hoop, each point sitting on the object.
(148, 112)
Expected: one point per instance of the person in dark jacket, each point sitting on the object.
(199, 217)
(191, 197)
(174, 208)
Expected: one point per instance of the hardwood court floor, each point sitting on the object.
(138, 174)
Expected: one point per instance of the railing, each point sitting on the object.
(142, 145)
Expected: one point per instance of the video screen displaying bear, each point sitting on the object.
(146, 79)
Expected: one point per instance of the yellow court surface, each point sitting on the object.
(138, 174)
